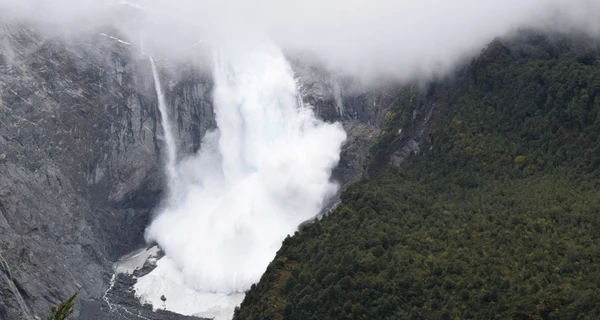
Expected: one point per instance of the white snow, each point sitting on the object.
(135, 260)
(167, 280)
(263, 172)
(116, 39)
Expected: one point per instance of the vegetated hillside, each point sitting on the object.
(497, 218)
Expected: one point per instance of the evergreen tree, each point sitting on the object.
(63, 310)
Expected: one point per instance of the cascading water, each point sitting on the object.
(265, 170)
(171, 146)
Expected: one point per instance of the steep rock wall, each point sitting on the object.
(80, 159)
(81, 153)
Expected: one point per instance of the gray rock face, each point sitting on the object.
(81, 156)
(359, 108)
(80, 160)
(413, 135)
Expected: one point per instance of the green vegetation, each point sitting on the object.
(497, 218)
(63, 310)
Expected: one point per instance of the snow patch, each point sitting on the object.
(167, 280)
(135, 260)
(116, 39)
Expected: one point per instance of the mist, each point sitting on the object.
(403, 40)
(262, 173)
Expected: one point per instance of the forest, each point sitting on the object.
(498, 216)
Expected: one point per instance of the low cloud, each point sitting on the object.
(398, 38)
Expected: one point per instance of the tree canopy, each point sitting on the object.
(497, 218)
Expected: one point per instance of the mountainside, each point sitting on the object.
(480, 198)
(81, 147)
(496, 217)
(80, 160)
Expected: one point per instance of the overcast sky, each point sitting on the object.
(403, 38)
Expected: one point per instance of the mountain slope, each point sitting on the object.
(81, 156)
(80, 160)
(496, 218)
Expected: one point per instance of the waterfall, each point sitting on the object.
(337, 94)
(169, 138)
(256, 178)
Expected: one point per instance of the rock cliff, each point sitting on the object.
(80, 159)
(81, 154)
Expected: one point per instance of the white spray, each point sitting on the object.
(263, 172)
